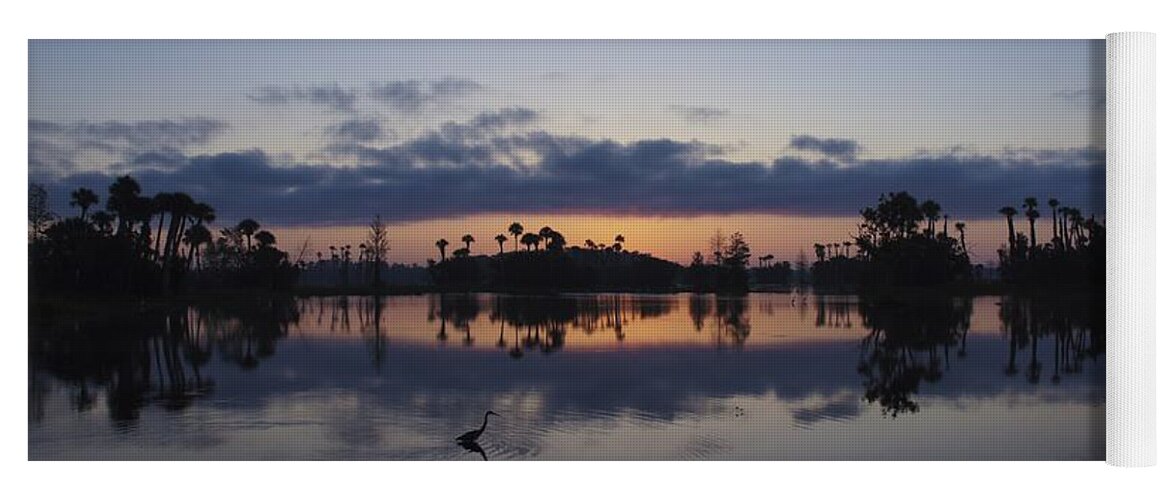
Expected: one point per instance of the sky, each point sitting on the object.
(661, 141)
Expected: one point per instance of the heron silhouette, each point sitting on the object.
(474, 435)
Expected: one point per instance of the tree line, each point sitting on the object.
(147, 244)
(166, 243)
(902, 242)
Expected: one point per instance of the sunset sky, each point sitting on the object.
(663, 142)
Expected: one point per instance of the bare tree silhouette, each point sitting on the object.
(39, 215)
(377, 246)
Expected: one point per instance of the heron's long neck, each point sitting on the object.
(485, 425)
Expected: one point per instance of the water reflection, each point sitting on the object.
(153, 355)
(592, 363)
(903, 348)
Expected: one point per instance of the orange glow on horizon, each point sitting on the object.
(671, 238)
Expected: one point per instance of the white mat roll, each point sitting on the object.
(1130, 286)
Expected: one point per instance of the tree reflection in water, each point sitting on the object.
(1077, 328)
(903, 346)
(157, 354)
(910, 341)
(370, 320)
(460, 309)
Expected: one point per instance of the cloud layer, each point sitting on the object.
(332, 96)
(486, 166)
(412, 95)
(59, 147)
(839, 149)
(358, 130)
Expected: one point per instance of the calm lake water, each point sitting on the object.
(674, 377)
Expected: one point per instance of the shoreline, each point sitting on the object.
(80, 301)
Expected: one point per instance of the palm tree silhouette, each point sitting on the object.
(1053, 204)
(515, 229)
(160, 205)
(203, 212)
(1064, 213)
(122, 200)
(1075, 226)
(468, 240)
(931, 212)
(960, 226)
(265, 239)
(545, 233)
(196, 236)
(248, 227)
(181, 205)
(531, 241)
(1032, 214)
(83, 198)
(620, 239)
(555, 241)
(500, 239)
(442, 244)
(1008, 213)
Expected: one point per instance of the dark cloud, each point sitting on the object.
(146, 133)
(441, 175)
(56, 146)
(358, 130)
(454, 144)
(839, 149)
(699, 114)
(331, 96)
(413, 95)
(504, 118)
(486, 124)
